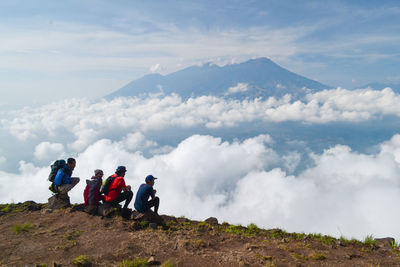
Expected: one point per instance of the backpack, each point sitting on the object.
(91, 195)
(58, 164)
(106, 184)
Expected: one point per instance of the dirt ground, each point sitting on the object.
(34, 237)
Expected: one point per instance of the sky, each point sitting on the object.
(327, 163)
(52, 50)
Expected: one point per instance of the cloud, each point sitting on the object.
(239, 88)
(343, 193)
(85, 121)
(155, 67)
(47, 151)
(339, 191)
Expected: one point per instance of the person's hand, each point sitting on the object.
(128, 187)
(155, 191)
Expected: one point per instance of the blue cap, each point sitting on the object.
(150, 178)
(121, 169)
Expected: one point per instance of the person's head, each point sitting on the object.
(98, 173)
(150, 179)
(120, 171)
(71, 162)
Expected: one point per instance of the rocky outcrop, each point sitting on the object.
(58, 201)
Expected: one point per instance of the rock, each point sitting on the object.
(149, 216)
(386, 242)
(182, 220)
(58, 201)
(46, 210)
(105, 209)
(32, 205)
(152, 261)
(168, 219)
(91, 209)
(212, 220)
(137, 215)
(153, 225)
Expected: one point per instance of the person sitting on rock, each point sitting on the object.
(92, 195)
(142, 202)
(118, 191)
(63, 180)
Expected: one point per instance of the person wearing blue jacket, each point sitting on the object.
(63, 180)
(142, 202)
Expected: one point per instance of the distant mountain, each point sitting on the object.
(379, 86)
(254, 78)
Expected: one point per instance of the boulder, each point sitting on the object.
(91, 209)
(149, 216)
(212, 220)
(58, 201)
(386, 242)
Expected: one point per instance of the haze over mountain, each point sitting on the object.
(259, 77)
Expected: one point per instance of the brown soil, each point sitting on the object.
(59, 237)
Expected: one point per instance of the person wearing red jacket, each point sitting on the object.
(118, 190)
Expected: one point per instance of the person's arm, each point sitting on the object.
(58, 180)
(124, 186)
(153, 193)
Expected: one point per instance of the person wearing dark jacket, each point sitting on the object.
(63, 180)
(92, 194)
(145, 191)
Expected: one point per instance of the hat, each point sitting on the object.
(150, 178)
(121, 169)
(97, 171)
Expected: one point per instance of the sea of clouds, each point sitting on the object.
(337, 191)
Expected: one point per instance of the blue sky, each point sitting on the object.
(51, 50)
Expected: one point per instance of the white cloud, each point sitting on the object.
(342, 193)
(47, 151)
(345, 193)
(155, 67)
(87, 121)
(239, 88)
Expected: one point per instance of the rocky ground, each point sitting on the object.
(32, 236)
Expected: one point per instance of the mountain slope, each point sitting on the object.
(254, 78)
(33, 237)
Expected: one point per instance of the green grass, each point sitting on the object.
(323, 238)
(73, 235)
(395, 244)
(235, 229)
(203, 227)
(82, 261)
(369, 240)
(144, 224)
(20, 228)
(253, 229)
(137, 262)
(167, 263)
(6, 209)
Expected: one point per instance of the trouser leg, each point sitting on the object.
(127, 196)
(65, 188)
(155, 202)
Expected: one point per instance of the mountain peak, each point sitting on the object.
(262, 76)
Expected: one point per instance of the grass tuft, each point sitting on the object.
(369, 240)
(137, 262)
(82, 261)
(20, 228)
(167, 263)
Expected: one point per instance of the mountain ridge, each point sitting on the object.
(259, 77)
